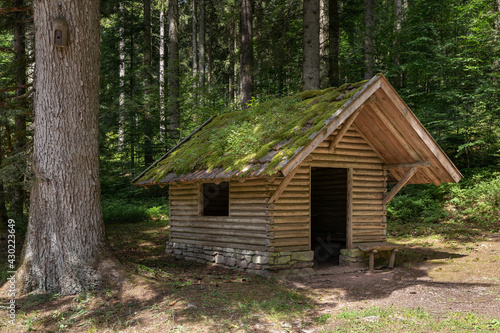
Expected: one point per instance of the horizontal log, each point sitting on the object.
(369, 218)
(368, 239)
(225, 219)
(250, 195)
(361, 226)
(364, 195)
(249, 201)
(368, 207)
(251, 189)
(290, 219)
(183, 191)
(288, 226)
(289, 213)
(338, 164)
(289, 194)
(292, 248)
(178, 212)
(369, 189)
(346, 158)
(252, 183)
(368, 178)
(220, 244)
(238, 213)
(302, 176)
(360, 233)
(221, 232)
(367, 183)
(291, 201)
(248, 206)
(221, 225)
(369, 212)
(369, 172)
(289, 242)
(407, 165)
(221, 238)
(291, 234)
(289, 206)
(362, 201)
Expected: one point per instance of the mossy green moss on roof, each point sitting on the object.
(235, 140)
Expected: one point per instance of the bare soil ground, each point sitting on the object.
(168, 295)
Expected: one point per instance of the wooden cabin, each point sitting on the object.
(304, 178)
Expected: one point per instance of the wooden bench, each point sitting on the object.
(374, 248)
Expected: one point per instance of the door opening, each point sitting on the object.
(328, 214)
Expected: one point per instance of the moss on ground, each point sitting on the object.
(234, 140)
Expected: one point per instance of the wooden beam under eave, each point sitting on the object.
(399, 185)
(424, 164)
(284, 183)
(343, 131)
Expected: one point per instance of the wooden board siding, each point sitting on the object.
(246, 227)
(291, 214)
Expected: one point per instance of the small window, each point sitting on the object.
(216, 199)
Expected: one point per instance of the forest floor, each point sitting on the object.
(439, 284)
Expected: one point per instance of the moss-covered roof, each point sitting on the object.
(255, 142)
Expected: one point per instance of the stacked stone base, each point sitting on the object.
(359, 259)
(290, 264)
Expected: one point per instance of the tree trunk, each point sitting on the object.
(201, 57)
(173, 69)
(65, 249)
(323, 40)
(368, 41)
(232, 42)
(148, 82)
(334, 35)
(195, 50)
(310, 40)
(398, 20)
(18, 191)
(161, 75)
(246, 57)
(121, 98)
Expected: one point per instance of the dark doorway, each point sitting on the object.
(328, 213)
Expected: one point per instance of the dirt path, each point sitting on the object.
(462, 278)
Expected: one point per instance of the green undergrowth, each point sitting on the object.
(450, 211)
(390, 319)
(233, 140)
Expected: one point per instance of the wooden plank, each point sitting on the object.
(289, 213)
(343, 130)
(282, 200)
(221, 232)
(233, 200)
(370, 218)
(249, 206)
(289, 206)
(221, 225)
(284, 183)
(292, 234)
(221, 238)
(341, 115)
(368, 142)
(349, 210)
(370, 189)
(399, 185)
(256, 188)
(364, 195)
(346, 165)
(369, 212)
(292, 248)
(369, 172)
(222, 244)
(291, 219)
(238, 213)
(251, 195)
(289, 226)
(289, 242)
(404, 110)
(222, 219)
(424, 164)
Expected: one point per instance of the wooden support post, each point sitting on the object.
(399, 185)
(343, 130)
(392, 259)
(284, 183)
(349, 211)
(371, 262)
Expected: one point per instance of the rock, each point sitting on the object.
(191, 306)
(353, 253)
(303, 256)
(371, 319)
(219, 259)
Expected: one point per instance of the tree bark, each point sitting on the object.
(246, 57)
(195, 49)
(201, 57)
(161, 75)
(173, 69)
(323, 40)
(3, 208)
(334, 36)
(148, 82)
(232, 43)
(65, 249)
(18, 190)
(121, 98)
(398, 20)
(310, 40)
(368, 41)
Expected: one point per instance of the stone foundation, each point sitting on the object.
(359, 259)
(291, 264)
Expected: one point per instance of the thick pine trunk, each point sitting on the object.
(398, 20)
(232, 43)
(310, 40)
(173, 69)
(368, 41)
(194, 45)
(246, 57)
(323, 40)
(334, 35)
(18, 191)
(65, 247)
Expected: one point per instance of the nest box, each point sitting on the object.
(60, 34)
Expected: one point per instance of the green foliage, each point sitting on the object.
(417, 203)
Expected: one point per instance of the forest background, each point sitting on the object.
(167, 66)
